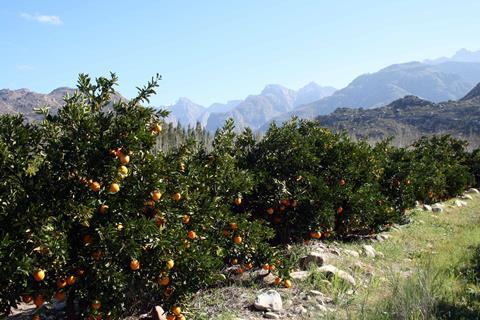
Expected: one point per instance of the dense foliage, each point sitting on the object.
(94, 211)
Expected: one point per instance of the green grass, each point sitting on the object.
(430, 269)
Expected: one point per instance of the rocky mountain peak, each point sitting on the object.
(473, 94)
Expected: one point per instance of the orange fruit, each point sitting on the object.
(170, 264)
(186, 219)
(39, 275)
(315, 235)
(27, 298)
(270, 211)
(123, 170)
(87, 239)
(233, 226)
(278, 281)
(124, 159)
(157, 128)
(71, 280)
(164, 281)
(237, 240)
(134, 264)
(430, 194)
(266, 267)
(181, 317)
(238, 201)
(171, 317)
(39, 300)
(249, 266)
(176, 310)
(240, 270)
(192, 234)
(95, 186)
(114, 187)
(339, 210)
(156, 195)
(177, 196)
(60, 296)
(287, 284)
(102, 208)
(61, 283)
(96, 305)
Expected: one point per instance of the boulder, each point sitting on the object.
(369, 251)
(473, 190)
(352, 253)
(158, 313)
(334, 271)
(426, 207)
(313, 257)
(268, 301)
(299, 275)
(466, 197)
(459, 203)
(437, 207)
(271, 315)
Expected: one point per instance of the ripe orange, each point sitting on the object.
(171, 317)
(237, 240)
(96, 305)
(176, 310)
(287, 284)
(271, 267)
(39, 300)
(61, 283)
(339, 210)
(186, 219)
(430, 194)
(114, 187)
(170, 264)
(177, 196)
(181, 317)
(249, 266)
(315, 235)
(27, 298)
(238, 201)
(60, 295)
(233, 226)
(278, 281)
(266, 267)
(240, 270)
(102, 208)
(156, 195)
(39, 275)
(270, 211)
(71, 280)
(164, 281)
(95, 186)
(134, 264)
(157, 128)
(124, 159)
(192, 234)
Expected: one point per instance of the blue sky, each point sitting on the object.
(214, 51)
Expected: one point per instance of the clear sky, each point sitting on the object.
(214, 51)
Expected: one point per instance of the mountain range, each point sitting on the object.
(434, 80)
(409, 118)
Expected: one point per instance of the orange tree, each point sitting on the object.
(100, 220)
(312, 183)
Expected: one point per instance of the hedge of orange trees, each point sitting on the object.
(93, 215)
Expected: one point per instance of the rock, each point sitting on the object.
(466, 197)
(334, 271)
(271, 315)
(426, 207)
(369, 251)
(268, 301)
(437, 207)
(472, 190)
(313, 257)
(321, 307)
(352, 253)
(315, 293)
(459, 203)
(158, 313)
(299, 275)
(300, 310)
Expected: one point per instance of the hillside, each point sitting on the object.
(411, 117)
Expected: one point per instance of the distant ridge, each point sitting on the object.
(473, 94)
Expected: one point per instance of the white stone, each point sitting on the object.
(332, 270)
(299, 275)
(369, 251)
(466, 197)
(158, 313)
(352, 253)
(437, 207)
(426, 207)
(473, 190)
(268, 301)
(271, 315)
(300, 310)
(459, 203)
